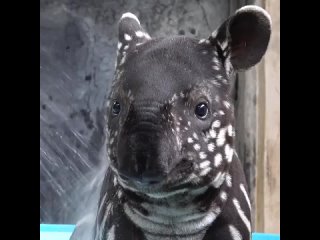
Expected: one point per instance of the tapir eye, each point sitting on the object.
(201, 110)
(116, 108)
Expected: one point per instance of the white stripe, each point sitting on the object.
(241, 214)
(228, 180)
(111, 233)
(218, 180)
(103, 223)
(235, 234)
(245, 195)
(173, 228)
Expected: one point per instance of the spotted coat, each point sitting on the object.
(174, 172)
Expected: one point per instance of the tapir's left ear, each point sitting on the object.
(244, 37)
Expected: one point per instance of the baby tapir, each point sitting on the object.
(174, 172)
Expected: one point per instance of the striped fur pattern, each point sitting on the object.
(174, 173)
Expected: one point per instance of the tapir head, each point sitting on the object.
(170, 116)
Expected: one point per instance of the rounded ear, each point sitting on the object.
(244, 37)
(131, 34)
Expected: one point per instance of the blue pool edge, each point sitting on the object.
(69, 228)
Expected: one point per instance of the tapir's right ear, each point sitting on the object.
(244, 37)
(131, 34)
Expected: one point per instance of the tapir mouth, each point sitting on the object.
(174, 183)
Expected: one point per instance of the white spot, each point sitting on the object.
(215, 82)
(202, 41)
(114, 181)
(214, 34)
(204, 52)
(221, 137)
(215, 60)
(211, 147)
(223, 196)
(202, 155)
(196, 147)
(119, 45)
(180, 118)
(181, 94)
(218, 76)
(130, 15)
(195, 136)
(207, 41)
(127, 37)
(221, 112)
(216, 124)
(217, 98)
(215, 68)
(217, 160)
(116, 133)
(245, 195)
(190, 140)
(215, 53)
(177, 129)
(227, 104)
(204, 172)
(224, 44)
(228, 180)
(229, 152)
(139, 34)
(186, 128)
(119, 193)
(241, 214)
(111, 140)
(235, 234)
(212, 133)
(204, 164)
(189, 123)
(230, 131)
(126, 47)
